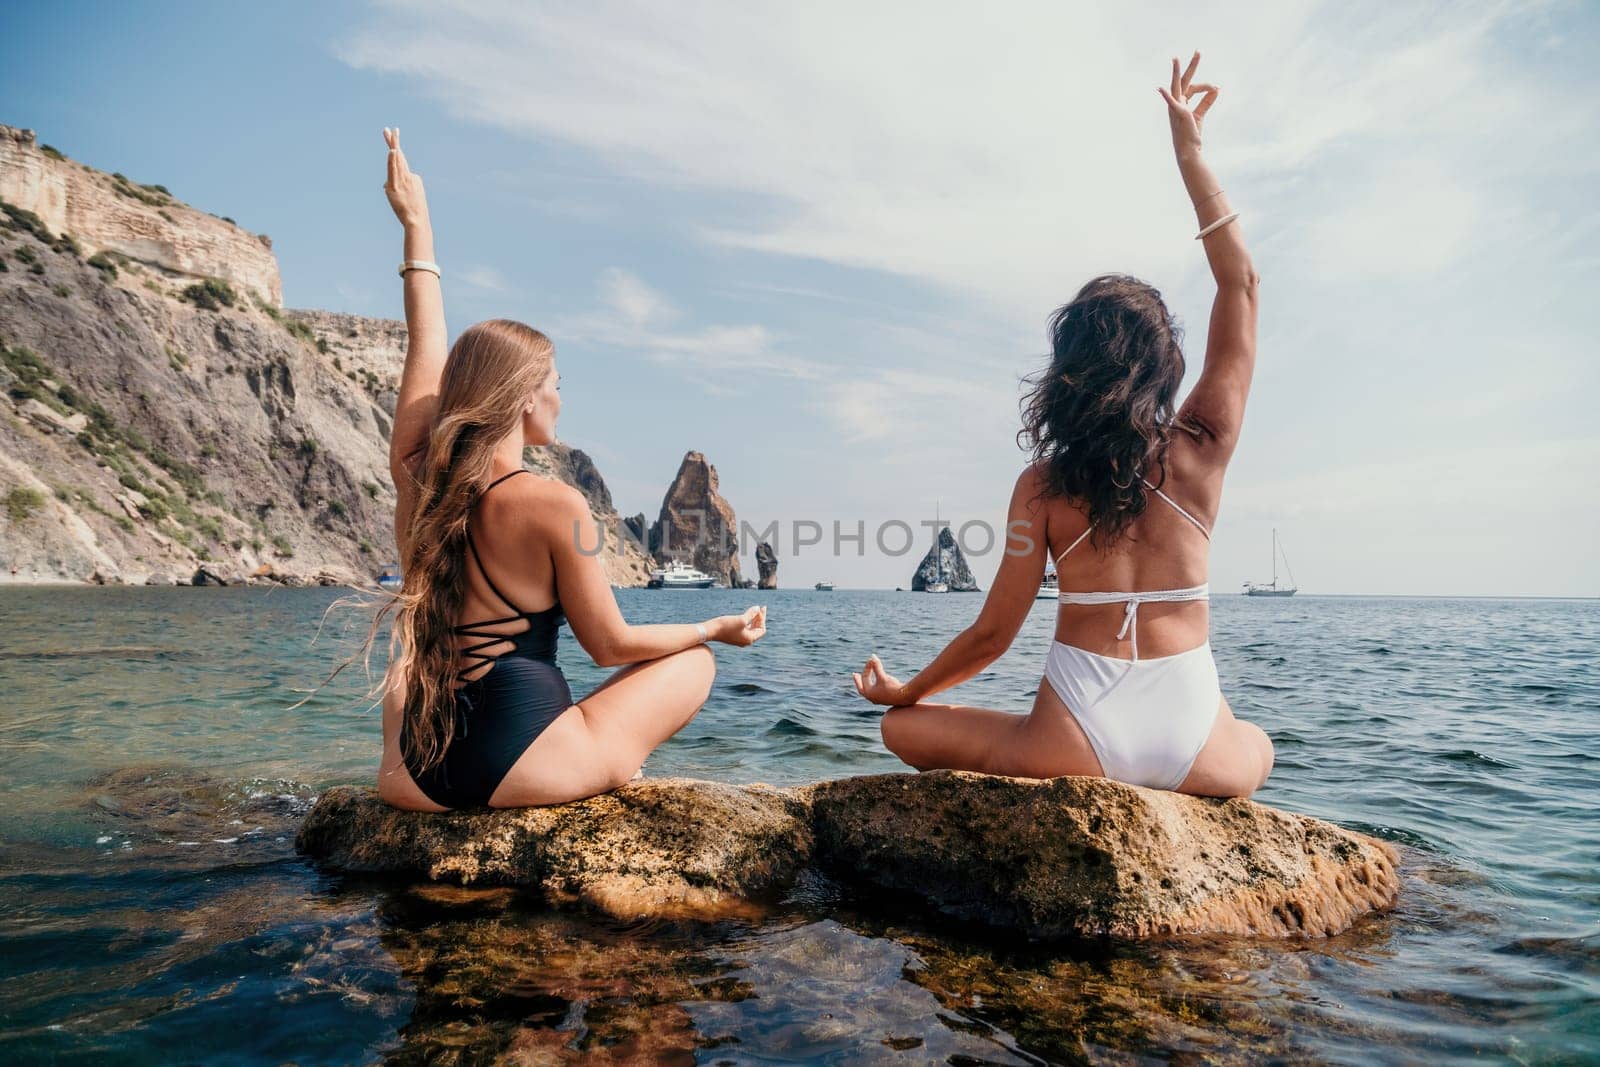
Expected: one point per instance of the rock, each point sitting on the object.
(953, 566)
(654, 847)
(1066, 857)
(638, 528)
(207, 576)
(1090, 857)
(49, 418)
(133, 502)
(766, 566)
(697, 524)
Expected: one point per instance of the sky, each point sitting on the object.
(820, 243)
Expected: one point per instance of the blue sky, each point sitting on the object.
(820, 243)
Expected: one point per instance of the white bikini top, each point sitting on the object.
(1130, 618)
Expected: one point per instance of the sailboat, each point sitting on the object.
(1050, 585)
(938, 585)
(1253, 589)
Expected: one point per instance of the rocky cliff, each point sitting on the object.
(696, 524)
(945, 559)
(110, 213)
(156, 417)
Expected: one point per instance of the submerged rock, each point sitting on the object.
(1062, 857)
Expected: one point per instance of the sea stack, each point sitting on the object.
(945, 559)
(697, 524)
(767, 565)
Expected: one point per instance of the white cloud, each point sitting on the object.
(635, 317)
(1413, 181)
(635, 303)
(1009, 154)
(485, 278)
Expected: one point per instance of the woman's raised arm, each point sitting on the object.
(1218, 398)
(425, 332)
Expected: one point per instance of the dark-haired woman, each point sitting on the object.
(1122, 494)
(475, 710)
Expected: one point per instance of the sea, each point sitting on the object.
(153, 908)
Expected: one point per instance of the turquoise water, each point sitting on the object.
(155, 909)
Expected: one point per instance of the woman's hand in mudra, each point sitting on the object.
(740, 631)
(404, 189)
(878, 685)
(1186, 121)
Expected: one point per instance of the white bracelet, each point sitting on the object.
(420, 264)
(1223, 221)
(704, 637)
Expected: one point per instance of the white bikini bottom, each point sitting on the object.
(1146, 719)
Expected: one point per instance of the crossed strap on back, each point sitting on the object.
(470, 629)
(1130, 615)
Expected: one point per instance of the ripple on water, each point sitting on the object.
(1480, 769)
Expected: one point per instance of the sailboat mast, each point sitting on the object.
(1274, 557)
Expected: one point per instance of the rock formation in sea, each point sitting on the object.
(697, 524)
(952, 564)
(767, 565)
(1064, 857)
(160, 412)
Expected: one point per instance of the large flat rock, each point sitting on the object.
(1092, 857)
(656, 847)
(1063, 857)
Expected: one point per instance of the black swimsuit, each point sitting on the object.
(500, 713)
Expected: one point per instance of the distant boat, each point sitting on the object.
(1049, 587)
(681, 575)
(1274, 589)
(938, 585)
(824, 586)
(389, 576)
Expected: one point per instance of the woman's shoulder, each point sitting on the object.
(535, 496)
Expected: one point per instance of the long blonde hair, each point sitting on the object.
(491, 372)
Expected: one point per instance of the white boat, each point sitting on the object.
(681, 575)
(1274, 589)
(938, 585)
(1049, 587)
(824, 586)
(389, 576)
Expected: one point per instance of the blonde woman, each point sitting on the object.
(475, 709)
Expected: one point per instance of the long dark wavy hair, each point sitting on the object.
(490, 373)
(1099, 419)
